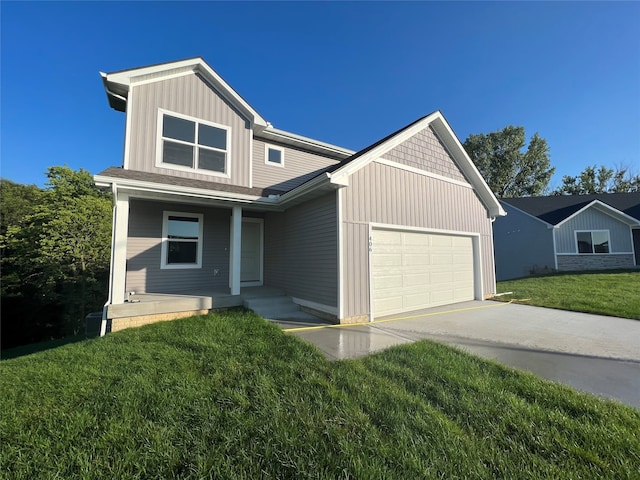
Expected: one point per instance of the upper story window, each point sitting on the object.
(181, 240)
(190, 144)
(274, 155)
(592, 241)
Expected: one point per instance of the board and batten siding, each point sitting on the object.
(522, 244)
(299, 166)
(188, 95)
(384, 194)
(301, 250)
(592, 219)
(144, 274)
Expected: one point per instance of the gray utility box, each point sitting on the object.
(92, 324)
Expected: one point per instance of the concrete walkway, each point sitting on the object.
(593, 353)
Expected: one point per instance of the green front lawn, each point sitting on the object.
(231, 396)
(607, 293)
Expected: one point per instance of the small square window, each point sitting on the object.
(274, 155)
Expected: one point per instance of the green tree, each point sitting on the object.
(56, 254)
(594, 179)
(509, 169)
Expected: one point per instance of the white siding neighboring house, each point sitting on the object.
(212, 198)
(566, 233)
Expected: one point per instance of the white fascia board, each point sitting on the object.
(527, 214)
(305, 188)
(448, 137)
(606, 209)
(192, 65)
(282, 135)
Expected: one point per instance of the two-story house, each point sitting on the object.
(211, 199)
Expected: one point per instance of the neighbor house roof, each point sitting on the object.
(557, 208)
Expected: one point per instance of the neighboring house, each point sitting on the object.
(567, 232)
(212, 198)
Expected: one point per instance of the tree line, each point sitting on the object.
(55, 252)
(511, 170)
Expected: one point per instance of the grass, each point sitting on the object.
(231, 396)
(611, 293)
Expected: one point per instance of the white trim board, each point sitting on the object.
(607, 210)
(425, 173)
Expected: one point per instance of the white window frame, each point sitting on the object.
(164, 265)
(160, 139)
(593, 252)
(268, 147)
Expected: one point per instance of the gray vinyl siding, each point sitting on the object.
(592, 219)
(188, 95)
(383, 194)
(299, 166)
(522, 244)
(144, 274)
(425, 151)
(301, 250)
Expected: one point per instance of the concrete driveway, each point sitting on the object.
(592, 353)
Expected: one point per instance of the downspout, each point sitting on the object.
(103, 325)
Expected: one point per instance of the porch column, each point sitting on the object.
(236, 247)
(119, 248)
(118, 266)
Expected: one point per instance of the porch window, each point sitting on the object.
(190, 144)
(181, 240)
(592, 241)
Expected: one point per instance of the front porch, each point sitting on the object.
(145, 308)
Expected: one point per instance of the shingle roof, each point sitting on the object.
(555, 209)
(117, 172)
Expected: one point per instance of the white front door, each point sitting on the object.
(251, 252)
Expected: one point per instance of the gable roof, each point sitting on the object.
(340, 172)
(556, 209)
(117, 84)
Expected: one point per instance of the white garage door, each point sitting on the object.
(413, 270)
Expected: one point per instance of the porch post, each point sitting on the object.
(119, 248)
(236, 246)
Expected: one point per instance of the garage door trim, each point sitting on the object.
(476, 249)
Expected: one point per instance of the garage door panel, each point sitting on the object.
(414, 302)
(388, 237)
(440, 240)
(415, 279)
(391, 304)
(387, 281)
(416, 259)
(387, 259)
(412, 270)
(442, 259)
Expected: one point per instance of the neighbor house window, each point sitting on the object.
(274, 155)
(181, 240)
(595, 241)
(190, 144)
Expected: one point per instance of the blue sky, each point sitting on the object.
(344, 73)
